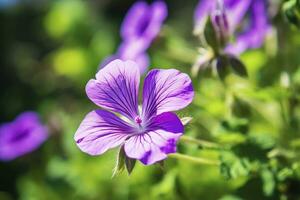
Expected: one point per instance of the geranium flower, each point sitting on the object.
(23, 135)
(148, 134)
(140, 27)
(252, 35)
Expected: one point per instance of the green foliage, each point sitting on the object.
(291, 10)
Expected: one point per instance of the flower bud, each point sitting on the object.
(220, 22)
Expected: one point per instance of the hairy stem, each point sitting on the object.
(202, 143)
(192, 159)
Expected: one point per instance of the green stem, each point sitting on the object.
(192, 159)
(199, 142)
(229, 100)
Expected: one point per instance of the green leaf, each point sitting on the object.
(284, 174)
(120, 162)
(268, 182)
(161, 164)
(238, 67)
(225, 170)
(222, 67)
(129, 163)
(230, 197)
(291, 10)
(232, 167)
(211, 36)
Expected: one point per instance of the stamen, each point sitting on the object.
(138, 120)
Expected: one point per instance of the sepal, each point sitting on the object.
(123, 162)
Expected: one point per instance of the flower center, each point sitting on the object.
(138, 120)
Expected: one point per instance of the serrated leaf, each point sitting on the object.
(129, 163)
(238, 67)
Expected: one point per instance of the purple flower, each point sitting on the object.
(252, 35)
(23, 135)
(144, 21)
(148, 134)
(140, 27)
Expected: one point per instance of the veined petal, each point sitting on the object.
(116, 88)
(101, 130)
(160, 140)
(164, 91)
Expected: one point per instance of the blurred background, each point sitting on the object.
(50, 49)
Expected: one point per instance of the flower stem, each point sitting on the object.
(202, 143)
(192, 159)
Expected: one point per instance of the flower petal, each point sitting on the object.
(101, 130)
(166, 90)
(134, 17)
(236, 11)
(116, 88)
(131, 48)
(21, 136)
(202, 10)
(143, 62)
(255, 34)
(153, 146)
(135, 51)
(144, 21)
(159, 12)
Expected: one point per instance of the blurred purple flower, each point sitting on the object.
(220, 21)
(148, 134)
(144, 21)
(23, 135)
(140, 27)
(252, 36)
